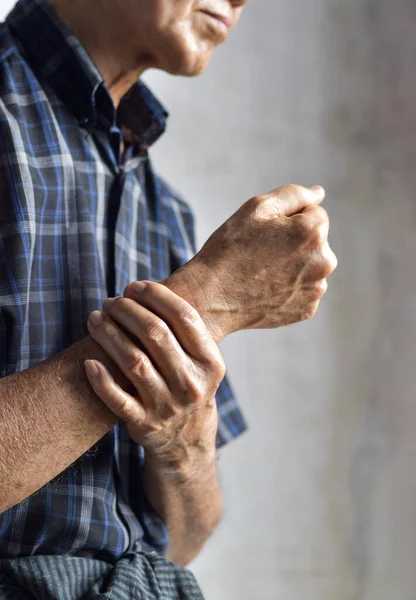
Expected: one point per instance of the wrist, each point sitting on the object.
(182, 471)
(196, 283)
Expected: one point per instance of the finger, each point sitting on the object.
(319, 217)
(319, 265)
(312, 225)
(171, 362)
(316, 289)
(131, 361)
(331, 259)
(316, 213)
(184, 321)
(292, 199)
(124, 406)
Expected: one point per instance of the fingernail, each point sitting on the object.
(138, 286)
(108, 303)
(96, 317)
(91, 368)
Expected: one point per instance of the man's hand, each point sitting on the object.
(172, 411)
(265, 267)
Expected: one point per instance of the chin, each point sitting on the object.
(187, 59)
(191, 68)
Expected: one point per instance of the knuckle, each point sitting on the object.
(318, 290)
(217, 368)
(301, 227)
(188, 314)
(332, 262)
(108, 328)
(192, 389)
(257, 208)
(122, 303)
(138, 364)
(128, 290)
(321, 266)
(196, 391)
(321, 226)
(311, 229)
(325, 264)
(321, 214)
(318, 231)
(323, 287)
(157, 331)
(311, 311)
(328, 266)
(291, 192)
(123, 411)
(151, 286)
(256, 200)
(291, 189)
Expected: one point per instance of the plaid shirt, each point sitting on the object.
(77, 224)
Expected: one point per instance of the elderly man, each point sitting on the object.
(110, 419)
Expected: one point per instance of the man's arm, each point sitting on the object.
(189, 504)
(49, 416)
(222, 282)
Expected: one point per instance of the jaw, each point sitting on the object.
(185, 48)
(185, 60)
(189, 66)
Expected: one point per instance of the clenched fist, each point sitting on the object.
(265, 267)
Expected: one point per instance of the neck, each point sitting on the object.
(105, 42)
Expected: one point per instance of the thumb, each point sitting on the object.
(292, 199)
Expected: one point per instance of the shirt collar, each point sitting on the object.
(57, 57)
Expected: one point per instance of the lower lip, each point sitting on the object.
(220, 25)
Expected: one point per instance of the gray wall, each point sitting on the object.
(321, 493)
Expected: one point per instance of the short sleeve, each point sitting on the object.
(231, 422)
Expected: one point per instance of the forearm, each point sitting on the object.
(190, 505)
(49, 417)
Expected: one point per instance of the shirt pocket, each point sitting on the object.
(2, 345)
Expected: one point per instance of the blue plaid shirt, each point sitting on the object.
(77, 224)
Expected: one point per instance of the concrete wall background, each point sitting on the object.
(321, 493)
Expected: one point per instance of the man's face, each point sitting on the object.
(177, 36)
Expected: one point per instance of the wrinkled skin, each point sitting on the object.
(265, 267)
